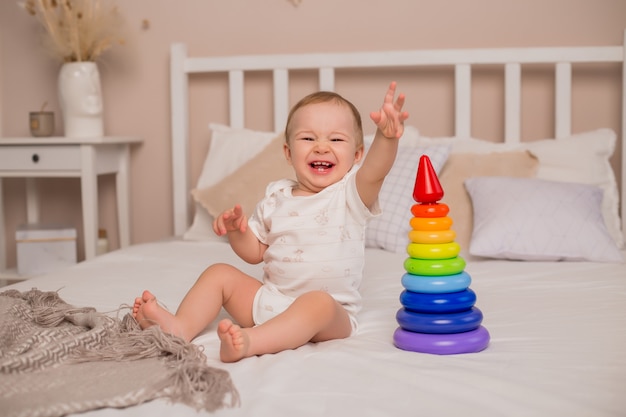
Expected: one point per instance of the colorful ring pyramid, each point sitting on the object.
(438, 314)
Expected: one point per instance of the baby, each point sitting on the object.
(309, 233)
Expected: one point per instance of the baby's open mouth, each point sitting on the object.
(321, 165)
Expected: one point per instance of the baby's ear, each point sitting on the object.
(287, 152)
(358, 156)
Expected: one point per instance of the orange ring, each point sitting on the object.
(430, 210)
(431, 223)
(432, 236)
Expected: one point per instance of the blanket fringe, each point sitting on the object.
(190, 380)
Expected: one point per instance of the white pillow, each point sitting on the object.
(584, 158)
(581, 158)
(229, 149)
(538, 220)
(390, 230)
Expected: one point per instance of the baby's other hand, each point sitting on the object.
(230, 220)
(390, 118)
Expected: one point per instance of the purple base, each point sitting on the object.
(442, 344)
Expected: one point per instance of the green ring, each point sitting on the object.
(434, 267)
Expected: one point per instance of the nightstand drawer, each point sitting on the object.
(39, 158)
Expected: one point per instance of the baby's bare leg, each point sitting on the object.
(313, 316)
(219, 285)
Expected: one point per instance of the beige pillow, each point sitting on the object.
(461, 166)
(246, 186)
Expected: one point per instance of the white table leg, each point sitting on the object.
(122, 188)
(32, 201)
(89, 196)
(3, 234)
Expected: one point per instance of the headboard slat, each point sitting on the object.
(281, 98)
(180, 136)
(236, 98)
(512, 102)
(327, 79)
(563, 100)
(463, 99)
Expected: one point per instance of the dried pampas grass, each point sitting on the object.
(77, 30)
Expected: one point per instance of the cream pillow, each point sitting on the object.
(246, 186)
(461, 166)
(229, 149)
(529, 219)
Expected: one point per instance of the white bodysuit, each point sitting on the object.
(314, 243)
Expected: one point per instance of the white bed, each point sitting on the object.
(558, 345)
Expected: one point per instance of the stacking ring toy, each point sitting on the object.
(433, 250)
(430, 210)
(437, 267)
(436, 284)
(463, 321)
(430, 223)
(442, 344)
(452, 302)
(432, 236)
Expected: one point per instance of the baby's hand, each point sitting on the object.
(230, 220)
(390, 118)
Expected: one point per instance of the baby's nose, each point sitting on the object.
(321, 146)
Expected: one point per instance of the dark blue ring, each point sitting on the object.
(452, 302)
(439, 323)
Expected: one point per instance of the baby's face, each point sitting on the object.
(322, 145)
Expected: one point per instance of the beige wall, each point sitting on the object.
(135, 76)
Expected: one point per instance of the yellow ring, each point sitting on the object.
(433, 251)
(434, 267)
(431, 223)
(433, 236)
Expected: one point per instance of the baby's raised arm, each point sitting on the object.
(389, 122)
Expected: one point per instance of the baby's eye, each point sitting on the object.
(337, 139)
(306, 138)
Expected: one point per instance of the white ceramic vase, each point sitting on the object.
(80, 96)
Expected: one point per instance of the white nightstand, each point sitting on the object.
(85, 158)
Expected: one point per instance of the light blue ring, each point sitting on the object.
(436, 284)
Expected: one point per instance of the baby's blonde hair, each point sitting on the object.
(326, 97)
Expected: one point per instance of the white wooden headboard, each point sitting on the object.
(462, 60)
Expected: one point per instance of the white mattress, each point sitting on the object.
(558, 340)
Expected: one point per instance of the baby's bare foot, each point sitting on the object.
(147, 312)
(235, 341)
(144, 308)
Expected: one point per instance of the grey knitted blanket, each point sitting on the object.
(56, 359)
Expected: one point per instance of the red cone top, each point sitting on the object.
(427, 187)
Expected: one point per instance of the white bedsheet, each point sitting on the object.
(558, 340)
